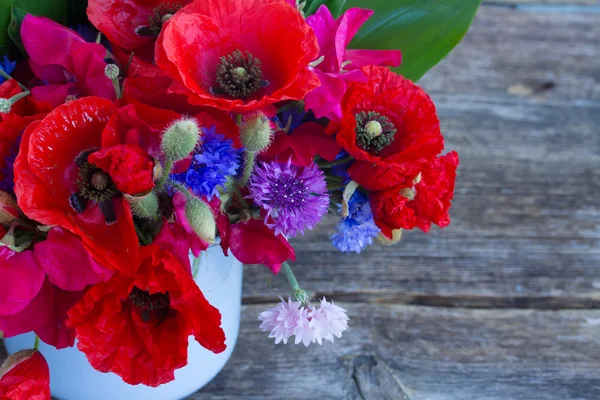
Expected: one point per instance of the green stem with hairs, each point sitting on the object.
(165, 174)
(290, 276)
(182, 189)
(249, 160)
(19, 96)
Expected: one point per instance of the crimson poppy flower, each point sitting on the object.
(64, 62)
(390, 127)
(25, 375)
(40, 285)
(238, 55)
(57, 186)
(427, 201)
(252, 242)
(302, 145)
(138, 327)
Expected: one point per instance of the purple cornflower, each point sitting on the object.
(295, 198)
(357, 230)
(7, 66)
(214, 160)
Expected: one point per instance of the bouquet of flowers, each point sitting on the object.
(148, 130)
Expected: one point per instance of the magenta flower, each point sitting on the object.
(39, 286)
(65, 63)
(340, 65)
(294, 198)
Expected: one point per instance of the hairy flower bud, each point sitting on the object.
(9, 210)
(112, 71)
(256, 132)
(180, 139)
(201, 219)
(144, 206)
(5, 106)
(396, 237)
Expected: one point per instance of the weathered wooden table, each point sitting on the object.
(505, 303)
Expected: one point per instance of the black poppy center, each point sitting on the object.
(151, 307)
(158, 17)
(239, 75)
(374, 131)
(94, 185)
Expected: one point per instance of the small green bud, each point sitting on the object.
(302, 296)
(112, 71)
(180, 139)
(144, 206)
(201, 219)
(5, 106)
(256, 132)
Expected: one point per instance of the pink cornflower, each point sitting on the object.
(307, 323)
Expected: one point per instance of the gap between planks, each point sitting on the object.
(547, 6)
(549, 303)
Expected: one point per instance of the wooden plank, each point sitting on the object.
(423, 353)
(526, 217)
(542, 2)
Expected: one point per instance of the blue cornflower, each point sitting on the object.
(357, 230)
(7, 66)
(214, 160)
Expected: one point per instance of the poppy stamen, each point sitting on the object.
(239, 75)
(374, 131)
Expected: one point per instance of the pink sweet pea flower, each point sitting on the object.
(64, 61)
(252, 242)
(39, 286)
(340, 65)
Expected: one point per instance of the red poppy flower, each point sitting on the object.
(131, 24)
(130, 167)
(25, 376)
(56, 185)
(390, 126)
(238, 55)
(427, 201)
(252, 242)
(139, 327)
(302, 145)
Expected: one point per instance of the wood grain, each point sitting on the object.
(422, 353)
(526, 216)
(505, 303)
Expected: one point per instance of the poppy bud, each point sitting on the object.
(112, 71)
(144, 206)
(180, 139)
(9, 210)
(256, 132)
(201, 219)
(5, 106)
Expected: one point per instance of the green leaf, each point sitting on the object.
(4, 21)
(53, 9)
(424, 30)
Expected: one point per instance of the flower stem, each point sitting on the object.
(165, 174)
(36, 342)
(290, 276)
(248, 167)
(181, 188)
(329, 164)
(19, 96)
(8, 77)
